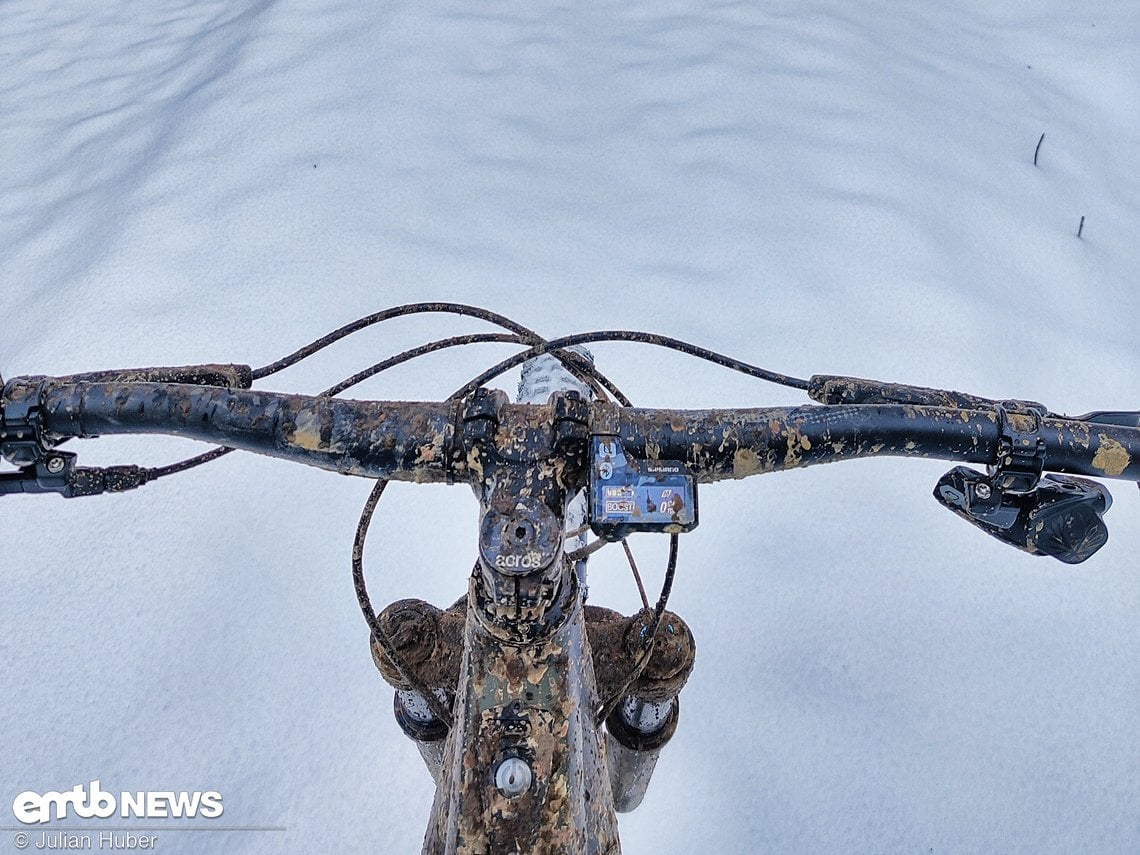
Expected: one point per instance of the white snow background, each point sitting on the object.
(816, 187)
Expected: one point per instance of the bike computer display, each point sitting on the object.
(629, 494)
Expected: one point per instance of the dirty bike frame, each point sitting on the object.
(523, 765)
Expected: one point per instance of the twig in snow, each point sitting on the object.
(1038, 149)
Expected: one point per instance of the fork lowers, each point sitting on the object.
(637, 730)
(422, 726)
(644, 720)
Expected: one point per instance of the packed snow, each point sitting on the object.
(820, 187)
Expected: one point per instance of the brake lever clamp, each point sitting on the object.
(1021, 453)
(1056, 515)
(25, 444)
(22, 442)
(994, 498)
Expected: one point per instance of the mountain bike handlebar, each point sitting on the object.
(431, 441)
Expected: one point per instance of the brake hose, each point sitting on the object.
(640, 338)
(522, 332)
(538, 346)
(648, 634)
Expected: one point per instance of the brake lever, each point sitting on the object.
(42, 469)
(49, 474)
(59, 474)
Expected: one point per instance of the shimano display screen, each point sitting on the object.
(629, 494)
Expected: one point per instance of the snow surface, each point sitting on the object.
(818, 187)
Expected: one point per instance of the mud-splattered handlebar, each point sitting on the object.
(434, 442)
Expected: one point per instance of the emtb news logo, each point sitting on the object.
(91, 801)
